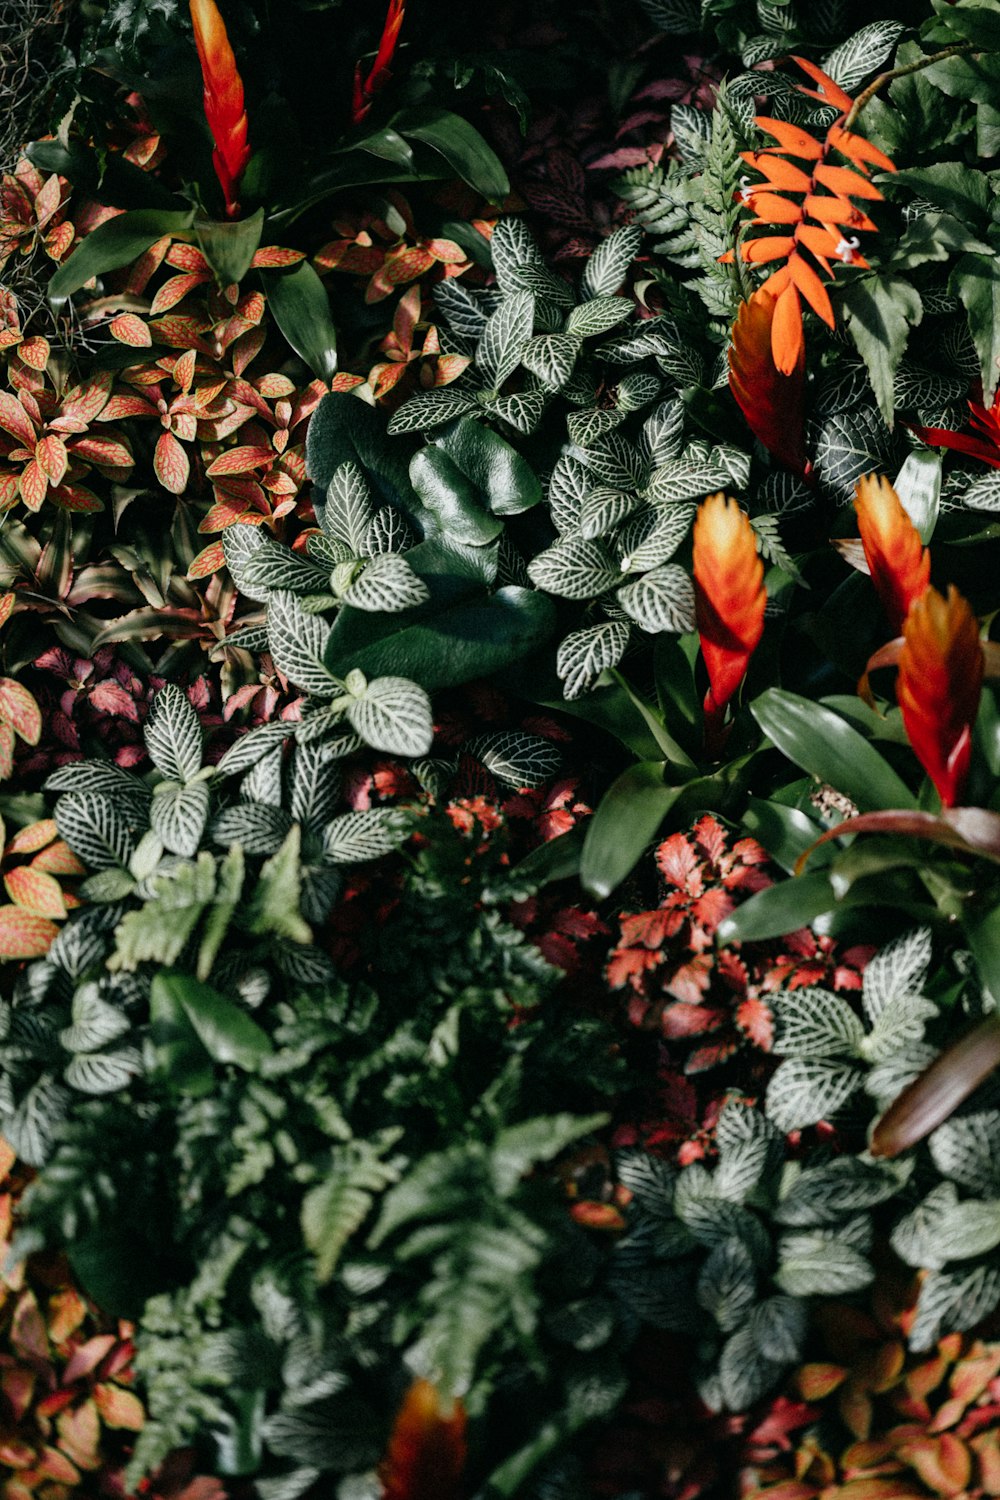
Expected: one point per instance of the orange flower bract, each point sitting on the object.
(426, 1452)
(899, 563)
(224, 106)
(772, 403)
(938, 688)
(730, 600)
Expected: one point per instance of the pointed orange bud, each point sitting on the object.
(426, 1452)
(772, 403)
(940, 679)
(787, 343)
(365, 89)
(224, 107)
(899, 563)
(730, 600)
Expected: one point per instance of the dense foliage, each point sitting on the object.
(500, 749)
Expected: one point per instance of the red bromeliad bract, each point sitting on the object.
(426, 1452)
(366, 89)
(899, 563)
(940, 679)
(224, 107)
(730, 600)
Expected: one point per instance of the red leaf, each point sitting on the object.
(425, 1456)
(129, 329)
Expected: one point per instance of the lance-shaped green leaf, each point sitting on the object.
(298, 302)
(115, 243)
(822, 743)
(627, 819)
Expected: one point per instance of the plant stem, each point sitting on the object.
(914, 67)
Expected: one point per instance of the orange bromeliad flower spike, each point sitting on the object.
(426, 1452)
(224, 106)
(899, 563)
(729, 601)
(940, 680)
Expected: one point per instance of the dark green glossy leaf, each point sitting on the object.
(453, 645)
(821, 743)
(344, 430)
(452, 499)
(109, 178)
(508, 482)
(785, 832)
(462, 147)
(627, 819)
(298, 301)
(116, 243)
(229, 247)
(779, 909)
(225, 1031)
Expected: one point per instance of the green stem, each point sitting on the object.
(869, 93)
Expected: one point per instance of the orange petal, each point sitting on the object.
(791, 138)
(779, 172)
(812, 289)
(938, 687)
(843, 181)
(770, 247)
(861, 152)
(771, 208)
(828, 92)
(787, 343)
(899, 564)
(840, 211)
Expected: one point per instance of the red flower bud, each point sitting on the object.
(899, 564)
(940, 679)
(426, 1452)
(224, 108)
(730, 600)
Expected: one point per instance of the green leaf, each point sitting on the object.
(824, 1194)
(298, 302)
(297, 641)
(348, 510)
(94, 827)
(454, 644)
(386, 583)
(598, 316)
(816, 1023)
(507, 330)
(345, 430)
(627, 819)
(574, 569)
(785, 832)
(462, 147)
(173, 734)
(394, 715)
(663, 599)
(976, 281)
(115, 243)
(585, 654)
(274, 903)
(727, 1285)
(779, 909)
(497, 470)
(353, 837)
(822, 743)
(107, 176)
(608, 265)
(229, 247)
(880, 311)
(178, 816)
(830, 1270)
(451, 498)
(225, 1031)
(952, 1302)
(960, 190)
(334, 1211)
(103, 1072)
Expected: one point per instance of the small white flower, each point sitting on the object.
(846, 250)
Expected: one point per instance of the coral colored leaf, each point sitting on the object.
(771, 402)
(35, 892)
(24, 935)
(15, 420)
(425, 1456)
(35, 352)
(208, 561)
(240, 460)
(103, 451)
(7, 602)
(817, 1381)
(791, 138)
(52, 458)
(171, 464)
(20, 710)
(938, 687)
(898, 562)
(76, 497)
(273, 256)
(119, 1408)
(34, 837)
(33, 485)
(127, 328)
(58, 859)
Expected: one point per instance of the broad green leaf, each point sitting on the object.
(462, 147)
(178, 815)
(627, 819)
(106, 175)
(225, 1031)
(394, 715)
(880, 311)
(229, 247)
(344, 430)
(173, 734)
(115, 243)
(822, 743)
(779, 909)
(496, 469)
(451, 497)
(298, 302)
(976, 281)
(456, 644)
(786, 832)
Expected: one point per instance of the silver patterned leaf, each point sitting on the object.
(387, 583)
(173, 734)
(662, 599)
